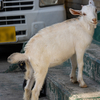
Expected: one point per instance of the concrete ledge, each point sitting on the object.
(59, 86)
(92, 62)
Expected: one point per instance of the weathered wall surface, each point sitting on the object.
(76, 4)
(97, 2)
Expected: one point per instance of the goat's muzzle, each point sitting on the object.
(94, 21)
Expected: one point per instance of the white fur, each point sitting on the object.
(55, 44)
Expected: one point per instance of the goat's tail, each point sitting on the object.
(16, 57)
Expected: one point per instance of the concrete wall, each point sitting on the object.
(76, 4)
(97, 2)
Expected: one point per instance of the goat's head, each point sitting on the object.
(88, 13)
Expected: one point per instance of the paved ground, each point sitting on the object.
(11, 86)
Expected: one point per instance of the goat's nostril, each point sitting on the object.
(95, 20)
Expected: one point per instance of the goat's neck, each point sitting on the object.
(87, 26)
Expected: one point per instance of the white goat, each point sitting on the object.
(53, 45)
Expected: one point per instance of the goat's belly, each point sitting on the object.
(60, 58)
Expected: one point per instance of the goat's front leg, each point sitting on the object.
(80, 54)
(73, 71)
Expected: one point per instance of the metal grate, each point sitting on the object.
(16, 5)
(21, 32)
(10, 20)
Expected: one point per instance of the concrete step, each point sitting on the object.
(92, 62)
(59, 86)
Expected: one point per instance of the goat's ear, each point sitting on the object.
(91, 2)
(75, 12)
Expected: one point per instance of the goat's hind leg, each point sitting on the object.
(73, 77)
(39, 74)
(29, 77)
(40, 77)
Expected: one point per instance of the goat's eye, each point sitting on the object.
(84, 14)
(95, 10)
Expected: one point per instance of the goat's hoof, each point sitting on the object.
(84, 86)
(73, 80)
